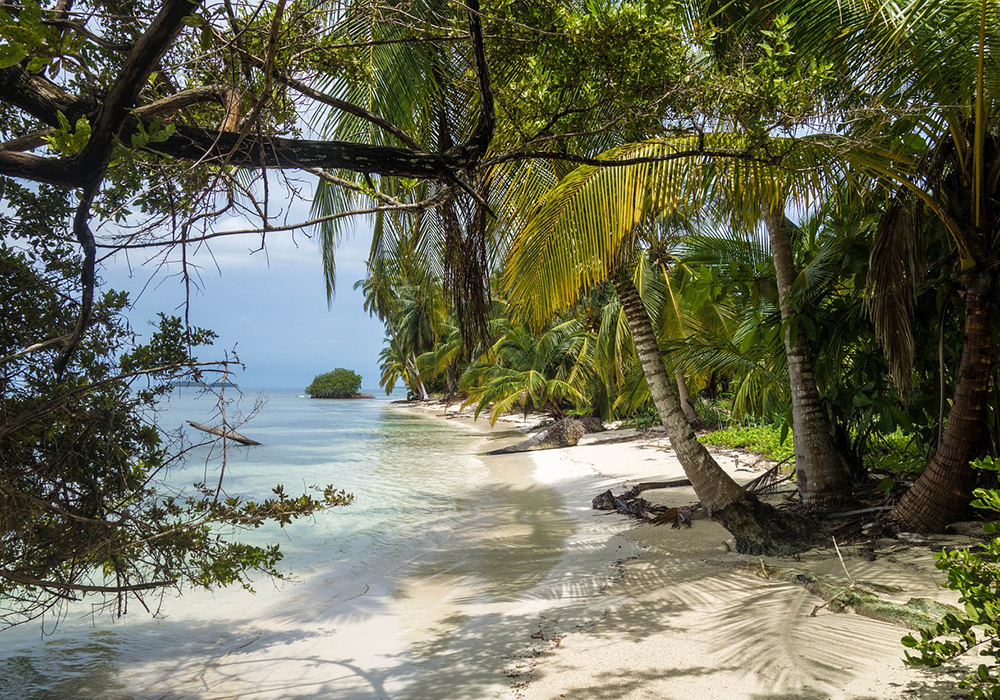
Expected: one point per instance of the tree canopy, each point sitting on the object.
(336, 383)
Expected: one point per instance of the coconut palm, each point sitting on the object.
(583, 233)
(919, 81)
(735, 333)
(413, 312)
(444, 360)
(587, 225)
(528, 371)
(616, 364)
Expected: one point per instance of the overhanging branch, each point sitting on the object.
(27, 580)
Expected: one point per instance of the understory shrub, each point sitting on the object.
(975, 574)
(645, 417)
(764, 439)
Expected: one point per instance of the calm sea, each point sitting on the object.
(340, 626)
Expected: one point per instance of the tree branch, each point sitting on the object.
(141, 61)
(206, 146)
(88, 277)
(32, 581)
(165, 105)
(475, 148)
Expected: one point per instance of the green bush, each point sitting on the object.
(895, 454)
(645, 417)
(339, 382)
(764, 439)
(975, 574)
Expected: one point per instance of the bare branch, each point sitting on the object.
(57, 585)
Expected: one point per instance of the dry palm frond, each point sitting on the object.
(893, 276)
(769, 481)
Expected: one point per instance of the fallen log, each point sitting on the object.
(564, 433)
(630, 504)
(649, 485)
(228, 434)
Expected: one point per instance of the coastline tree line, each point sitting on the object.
(787, 209)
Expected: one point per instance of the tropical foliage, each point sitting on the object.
(975, 574)
(339, 382)
(786, 208)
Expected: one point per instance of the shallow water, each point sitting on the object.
(407, 592)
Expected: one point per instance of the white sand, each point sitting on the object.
(682, 623)
(533, 600)
(464, 621)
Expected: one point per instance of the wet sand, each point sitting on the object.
(459, 616)
(466, 620)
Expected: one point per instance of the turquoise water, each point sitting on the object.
(419, 492)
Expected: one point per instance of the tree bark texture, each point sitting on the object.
(821, 477)
(943, 492)
(757, 528)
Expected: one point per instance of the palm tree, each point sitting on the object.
(413, 312)
(734, 320)
(819, 469)
(522, 369)
(589, 222)
(445, 359)
(919, 80)
(583, 233)
(614, 352)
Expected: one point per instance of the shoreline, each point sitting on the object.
(587, 559)
(516, 589)
(681, 620)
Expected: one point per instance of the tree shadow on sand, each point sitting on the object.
(508, 575)
(692, 616)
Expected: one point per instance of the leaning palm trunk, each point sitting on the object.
(757, 527)
(944, 490)
(421, 389)
(822, 479)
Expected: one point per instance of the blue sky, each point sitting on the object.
(269, 305)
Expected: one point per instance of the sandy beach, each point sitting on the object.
(682, 620)
(523, 590)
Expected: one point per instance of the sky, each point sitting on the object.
(268, 305)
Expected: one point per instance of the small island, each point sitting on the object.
(339, 384)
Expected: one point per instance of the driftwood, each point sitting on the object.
(228, 434)
(858, 597)
(564, 433)
(649, 485)
(629, 503)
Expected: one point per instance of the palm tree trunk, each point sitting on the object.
(416, 375)
(688, 407)
(822, 479)
(941, 494)
(757, 527)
